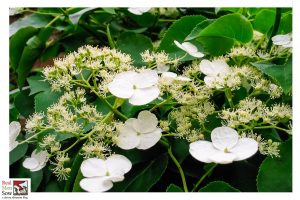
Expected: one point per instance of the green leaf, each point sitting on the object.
(134, 44)
(17, 43)
(174, 188)
(17, 153)
(76, 187)
(37, 84)
(179, 30)
(195, 32)
(74, 171)
(264, 20)
(275, 174)
(282, 74)
(110, 10)
(286, 23)
(53, 186)
(180, 149)
(223, 32)
(150, 175)
(13, 113)
(34, 20)
(45, 99)
(24, 103)
(75, 17)
(218, 186)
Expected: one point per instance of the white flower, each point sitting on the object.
(139, 88)
(14, 131)
(189, 48)
(283, 40)
(161, 68)
(37, 161)
(225, 147)
(215, 72)
(174, 76)
(140, 133)
(139, 10)
(100, 174)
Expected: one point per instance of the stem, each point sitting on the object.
(33, 136)
(158, 105)
(275, 27)
(229, 97)
(276, 127)
(179, 169)
(204, 176)
(110, 40)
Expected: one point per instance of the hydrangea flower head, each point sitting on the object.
(37, 161)
(140, 88)
(140, 133)
(100, 174)
(225, 147)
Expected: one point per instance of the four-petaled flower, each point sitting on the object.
(215, 72)
(139, 10)
(189, 48)
(225, 147)
(14, 131)
(100, 174)
(37, 161)
(140, 133)
(283, 40)
(139, 88)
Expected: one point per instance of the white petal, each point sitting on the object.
(129, 122)
(13, 145)
(39, 167)
(245, 148)
(189, 47)
(146, 122)
(210, 81)
(281, 39)
(144, 96)
(118, 165)
(224, 138)
(96, 184)
(121, 88)
(30, 163)
(14, 130)
(171, 75)
(207, 68)
(182, 78)
(41, 156)
(179, 45)
(93, 167)
(196, 54)
(220, 67)
(202, 150)
(149, 139)
(222, 157)
(146, 79)
(127, 138)
(139, 11)
(162, 68)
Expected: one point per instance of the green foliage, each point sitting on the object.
(219, 37)
(264, 20)
(282, 74)
(17, 153)
(218, 186)
(275, 174)
(45, 99)
(174, 188)
(24, 103)
(37, 84)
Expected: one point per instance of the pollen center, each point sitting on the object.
(226, 150)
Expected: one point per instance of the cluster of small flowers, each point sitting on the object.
(243, 51)
(168, 12)
(50, 143)
(73, 97)
(258, 81)
(95, 149)
(35, 122)
(186, 116)
(93, 59)
(60, 171)
(104, 131)
(158, 58)
(265, 147)
(252, 110)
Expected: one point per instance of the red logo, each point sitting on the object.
(20, 187)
